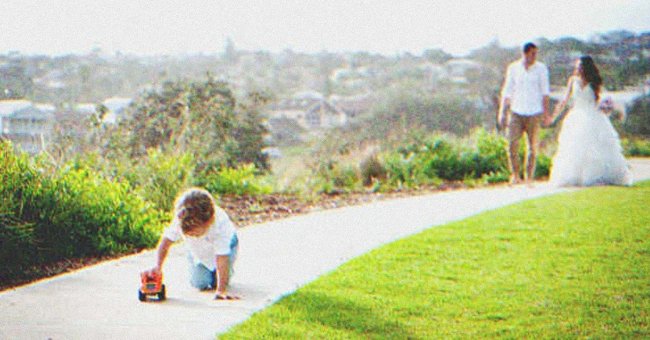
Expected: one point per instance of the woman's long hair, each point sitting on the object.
(591, 74)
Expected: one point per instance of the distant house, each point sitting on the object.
(353, 106)
(432, 72)
(310, 109)
(323, 114)
(352, 78)
(457, 69)
(84, 108)
(8, 107)
(116, 107)
(52, 80)
(27, 125)
(72, 123)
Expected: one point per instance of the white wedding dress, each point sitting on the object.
(589, 151)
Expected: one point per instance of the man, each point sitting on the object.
(524, 105)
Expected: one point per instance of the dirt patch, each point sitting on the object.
(247, 210)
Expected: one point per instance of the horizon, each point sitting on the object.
(219, 52)
(172, 28)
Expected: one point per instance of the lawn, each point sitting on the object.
(566, 266)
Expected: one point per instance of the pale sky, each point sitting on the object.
(58, 27)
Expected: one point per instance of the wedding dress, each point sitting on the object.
(589, 150)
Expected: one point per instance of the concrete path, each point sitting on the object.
(100, 302)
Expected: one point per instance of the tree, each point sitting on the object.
(436, 56)
(638, 117)
(202, 119)
(250, 131)
(14, 81)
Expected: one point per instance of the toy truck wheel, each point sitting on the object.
(162, 295)
(142, 296)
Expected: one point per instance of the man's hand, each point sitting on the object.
(502, 115)
(502, 120)
(548, 120)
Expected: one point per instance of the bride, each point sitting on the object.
(589, 151)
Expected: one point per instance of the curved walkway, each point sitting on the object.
(100, 302)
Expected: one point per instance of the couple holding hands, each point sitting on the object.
(589, 150)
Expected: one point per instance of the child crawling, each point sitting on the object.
(210, 238)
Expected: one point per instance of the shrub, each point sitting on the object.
(333, 178)
(439, 158)
(492, 149)
(241, 180)
(20, 183)
(162, 176)
(636, 147)
(638, 117)
(496, 177)
(429, 161)
(399, 171)
(543, 166)
(82, 214)
(372, 170)
(49, 215)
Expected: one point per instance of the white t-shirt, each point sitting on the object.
(526, 88)
(204, 249)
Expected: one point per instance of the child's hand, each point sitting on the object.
(225, 296)
(155, 271)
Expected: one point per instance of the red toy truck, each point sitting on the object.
(151, 285)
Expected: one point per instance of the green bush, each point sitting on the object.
(429, 161)
(443, 158)
(19, 184)
(492, 150)
(638, 117)
(440, 158)
(496, 177)
(16, 244)
(82, 214)
(399, 171)
(636, 147)
(48, 215)
(242, 180)
(543, 166)
(372, 170)
(162, 177)
(332, 177)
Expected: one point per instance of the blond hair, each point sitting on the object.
(194, 208)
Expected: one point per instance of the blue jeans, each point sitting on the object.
(203, 278)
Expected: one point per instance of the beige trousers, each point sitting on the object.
(516, 128)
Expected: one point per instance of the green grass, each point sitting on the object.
(574, 265)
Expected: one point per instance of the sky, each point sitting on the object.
(172, 27)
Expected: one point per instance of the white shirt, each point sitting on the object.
(205, 248)
(526, 88)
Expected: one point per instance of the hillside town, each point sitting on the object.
(43, 96)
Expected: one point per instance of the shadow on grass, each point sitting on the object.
(344, 314)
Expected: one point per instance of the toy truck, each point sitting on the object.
(151, 286)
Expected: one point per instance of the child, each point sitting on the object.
(210, 237)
